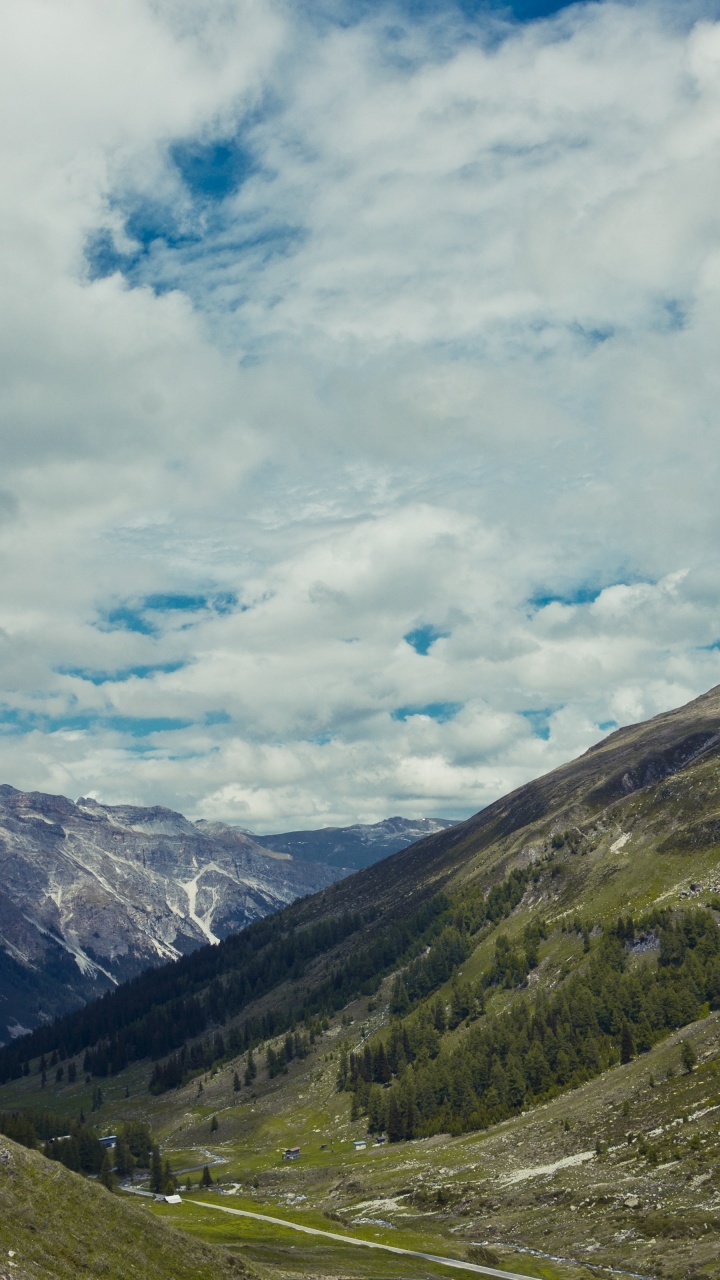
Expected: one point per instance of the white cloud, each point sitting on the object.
(447, 350)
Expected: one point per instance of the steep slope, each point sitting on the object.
(91, 894)
(55, 1225)
(357, 846)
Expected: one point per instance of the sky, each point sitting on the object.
(359, 396)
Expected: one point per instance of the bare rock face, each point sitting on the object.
(91, 894)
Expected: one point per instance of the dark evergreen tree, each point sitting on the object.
(156, 1171)
(627, 1044)
(250, 1068)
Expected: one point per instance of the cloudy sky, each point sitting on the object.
(359, 396)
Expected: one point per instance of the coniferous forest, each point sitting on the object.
(418, 1079)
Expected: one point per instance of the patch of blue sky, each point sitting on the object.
(124, 674)
(585, 593)
(517, 11)
(708, 648)
(146, 223)
(133, 616)
(193, 262)
(422, 638)
(212, 170)
(18, 721)
(539, 721)
(168, 603)
(125, 617)
(440, 711)
(607, 725)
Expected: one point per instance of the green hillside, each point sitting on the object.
(525, 1005)
(55, 1225)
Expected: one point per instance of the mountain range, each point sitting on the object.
(357, 846)
(92, 894)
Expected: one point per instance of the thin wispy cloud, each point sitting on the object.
(359, 404)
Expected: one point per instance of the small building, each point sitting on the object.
(173, 1199)
(291, 1153)
(380, 1139)
(359, 1144)
(109, 1142)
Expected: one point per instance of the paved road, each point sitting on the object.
(365, 1244)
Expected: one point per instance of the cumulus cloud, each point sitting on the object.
(358, 398)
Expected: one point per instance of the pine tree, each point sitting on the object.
(376, 1109)
(124, 1161)
(439, 1018)
(399, 1000)
(206, 1180)
(156, 1171)
(393, 1119)
(627, 1045)
(236, 1083)
(214, 1125)
(342, 1074)
(688, 1056)
(250, 1069)
(106, 1173)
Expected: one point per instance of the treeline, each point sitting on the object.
(168, 1011)
(75, 1143)
(432, 970)
(411, 1083)
(430, 944)
(206, 1055)
(360, 974)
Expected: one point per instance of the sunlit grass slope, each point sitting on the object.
(55, 1225)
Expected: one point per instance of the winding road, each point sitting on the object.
(364, 1244)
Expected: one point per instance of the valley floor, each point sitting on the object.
(621, 1175)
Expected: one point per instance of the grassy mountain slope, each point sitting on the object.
(55, 1225)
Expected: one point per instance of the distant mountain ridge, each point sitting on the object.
(356, 846)
(91, 894)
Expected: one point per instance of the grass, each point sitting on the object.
(60, 1226)
(267, 1245)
